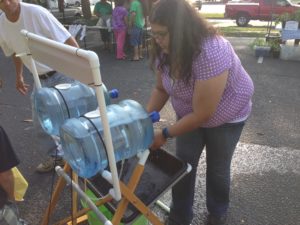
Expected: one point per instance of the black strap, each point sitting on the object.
(47, 75)
(50, 73)
(63, 98)
(100, 136)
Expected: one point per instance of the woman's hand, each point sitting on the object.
(158, 140)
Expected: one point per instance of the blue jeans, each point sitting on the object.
(220, 143)
(136, 36)
(45, 141)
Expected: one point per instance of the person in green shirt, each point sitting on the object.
(136, 24)
(103, 10)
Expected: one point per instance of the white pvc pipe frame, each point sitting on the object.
(83, 57)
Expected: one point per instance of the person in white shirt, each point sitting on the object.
(36, 19)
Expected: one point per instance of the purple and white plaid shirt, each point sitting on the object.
(217, 56)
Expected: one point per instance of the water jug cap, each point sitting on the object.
(93, 114)
(155, 117)
(114, 93)
(63, 86)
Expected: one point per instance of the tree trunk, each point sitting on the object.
(61, 6)
(86, 9)
(61, 9)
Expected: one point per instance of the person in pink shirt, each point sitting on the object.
(119, 23)
(210, 91)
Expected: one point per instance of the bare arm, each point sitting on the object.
(7, 183)
(71, 41)
(125, 20)
(158, 97)
(20, 85)
(206, 97)
(96, 13)
(132, 19)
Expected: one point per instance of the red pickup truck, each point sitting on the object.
(244, 11)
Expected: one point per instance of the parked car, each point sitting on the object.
(67, 16)
(93, 2)
(72, 2)
(196, 3)
(77, 3)
(244, 11)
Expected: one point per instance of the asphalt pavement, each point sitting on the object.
(266, 165)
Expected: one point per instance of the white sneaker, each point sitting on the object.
(50, 164)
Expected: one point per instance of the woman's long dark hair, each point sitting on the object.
(187, 30)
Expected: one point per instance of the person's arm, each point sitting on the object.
(132, 19)
(125, 19)
(157, 100)
(206, 97)
(158, 97)
(71, 41)
(110, 9)
(21, 86)
(96, 11)
(7, 183)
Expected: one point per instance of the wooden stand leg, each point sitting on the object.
(134, 180)
(83, 212)
(74, 199)
(139, 205)
(61, 183)
(74, 219)
(129, 197)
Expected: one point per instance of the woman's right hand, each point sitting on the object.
(158, 140)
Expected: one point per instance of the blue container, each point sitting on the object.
(54, 105)
(82, 138)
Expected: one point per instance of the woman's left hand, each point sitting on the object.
(158, 140)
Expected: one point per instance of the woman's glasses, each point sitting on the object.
(158, 34)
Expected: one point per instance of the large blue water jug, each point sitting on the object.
(56, 104)
(83, 140)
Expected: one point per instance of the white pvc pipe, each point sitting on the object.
(36, 77)
(163, 206)
(143, 156)
(108, 140)
(94, 64)
(48, 42)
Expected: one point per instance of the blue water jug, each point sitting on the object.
(82, 138)
(56, 104)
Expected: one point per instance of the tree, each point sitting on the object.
(86, 9)
(61, 6)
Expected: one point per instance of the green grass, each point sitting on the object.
(213, 15)
(235, 31)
